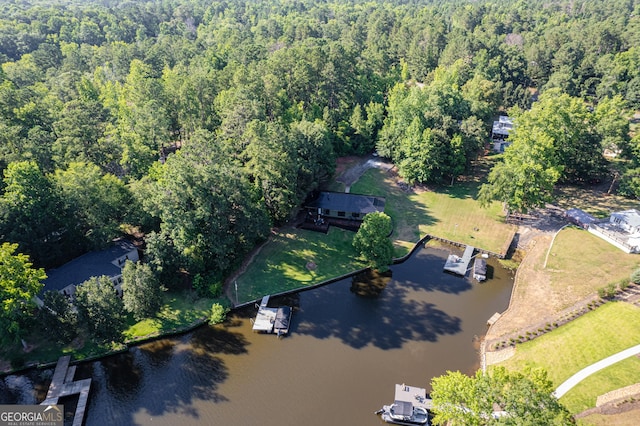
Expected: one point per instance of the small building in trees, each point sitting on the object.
(622, 229)
(107, 262)
(500, 133)
(342, 209)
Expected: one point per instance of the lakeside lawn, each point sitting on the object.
(449, 212)
(611, 328)
(580, 263)
(281, 264)
(181, 310)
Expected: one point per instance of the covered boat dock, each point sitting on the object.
(272, 320)
(459, 265)
(416, 396)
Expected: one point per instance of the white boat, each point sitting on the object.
(404, 413)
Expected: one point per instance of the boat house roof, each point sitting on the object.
(346, 202)
(92, 264)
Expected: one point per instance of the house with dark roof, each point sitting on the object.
(340, 205)
(107, 262)
(340, 209)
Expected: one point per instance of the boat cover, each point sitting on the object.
(403, 408)
(282, 318)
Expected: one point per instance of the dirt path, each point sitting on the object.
(350, 175)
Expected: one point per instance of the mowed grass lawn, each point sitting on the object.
(447, 212)
(611, 328)
(181, 309)
(581, 263)
(281, 264)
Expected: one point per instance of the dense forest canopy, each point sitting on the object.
(206, 122)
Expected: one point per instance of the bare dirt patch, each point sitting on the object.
(621, 413)
(349, 169)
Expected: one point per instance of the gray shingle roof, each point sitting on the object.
(92, 264)
(351, 203)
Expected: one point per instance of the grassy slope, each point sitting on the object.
(281, 263)
(446, 212)
(180, 310)
(568, 349)
(581, 263)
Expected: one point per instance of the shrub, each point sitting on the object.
(218, 313)
(624, 283)
(207, 286)
(608, 292)
(635, 276)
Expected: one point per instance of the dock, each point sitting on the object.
(459, 265)
(414, 395)
(495, 317)
(62, 384)
(272, 320)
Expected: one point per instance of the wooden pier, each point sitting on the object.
(459, 265)
(272, 320)
(62, 384)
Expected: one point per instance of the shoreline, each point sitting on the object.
(202, 321)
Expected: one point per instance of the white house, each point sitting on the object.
(622, 230)
(500, 133)
(107, 262)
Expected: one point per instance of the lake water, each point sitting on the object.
(339, 364)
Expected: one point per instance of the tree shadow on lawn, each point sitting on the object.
(389, 321)
(459, 190)
(165, 376)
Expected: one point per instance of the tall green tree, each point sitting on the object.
(99, 202)
(141, 292)
(19, 284)
(206, 205)
(527, 175)
(58, 317)
(556, 140)
(100, 308)
(373, 240)
(33, 215)
(522, 398)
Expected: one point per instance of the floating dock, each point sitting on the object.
(459, 265)
(62, 384)
(272, 320)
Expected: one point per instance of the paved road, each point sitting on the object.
(593, 368)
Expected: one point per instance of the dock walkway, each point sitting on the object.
(459, 265)
(62, 384)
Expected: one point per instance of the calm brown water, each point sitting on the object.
(339, 364)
